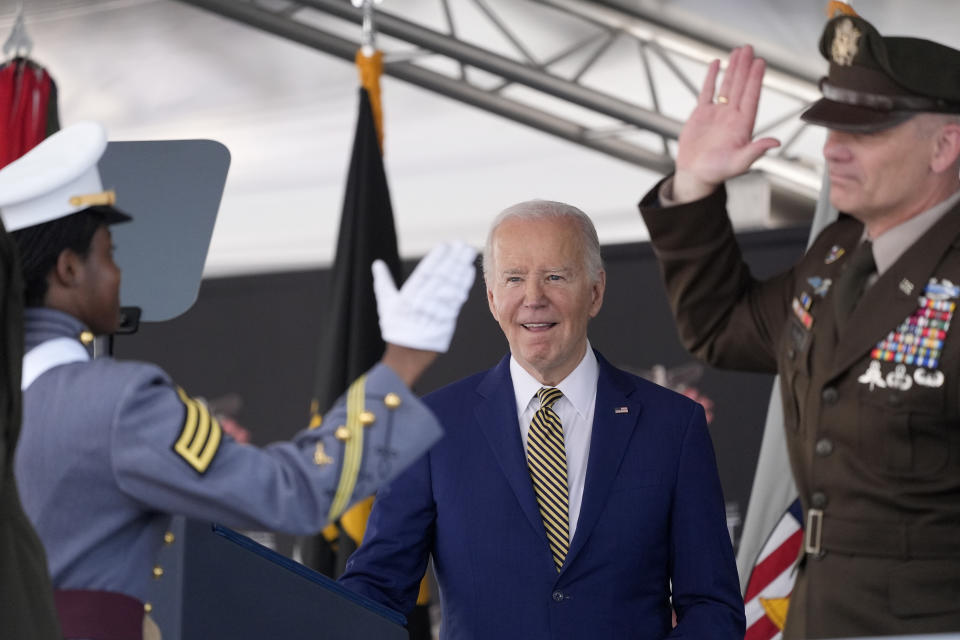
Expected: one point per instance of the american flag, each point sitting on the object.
(771, 581)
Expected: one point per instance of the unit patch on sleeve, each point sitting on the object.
(200, 434)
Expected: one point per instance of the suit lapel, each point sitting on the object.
(886, 304)
(612, 429)
(496, 416)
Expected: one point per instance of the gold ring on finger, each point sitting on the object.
(722, 100)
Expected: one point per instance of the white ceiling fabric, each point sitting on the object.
(158, 69)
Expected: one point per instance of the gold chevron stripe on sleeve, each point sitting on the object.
(352, 449)
(200, 435)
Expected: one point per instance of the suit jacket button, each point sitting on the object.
(557, 596)
(818, 500)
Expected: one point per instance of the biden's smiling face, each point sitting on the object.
(542, 295)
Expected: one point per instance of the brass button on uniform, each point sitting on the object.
(86, 337)
(829, 395)
(342, 433)
(818, 500)
(824, 447)
(168, 537)
(147, 607)
(158, 572)
(392, 400)
(367, 418)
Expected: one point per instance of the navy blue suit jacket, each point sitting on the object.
(652, 517)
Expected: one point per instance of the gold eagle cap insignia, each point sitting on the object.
(846, 43)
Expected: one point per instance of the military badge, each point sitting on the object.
(846, 43)
(926, 378)
(941, 289)
(320, 456)
(836, 252)
(873, 376)
(806, 319)
(820, 285)
(918, 340)
(899, 378)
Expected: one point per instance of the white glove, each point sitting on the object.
(423, 314)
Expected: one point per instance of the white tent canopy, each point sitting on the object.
(159, 69)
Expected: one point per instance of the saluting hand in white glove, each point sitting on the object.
(422, 314)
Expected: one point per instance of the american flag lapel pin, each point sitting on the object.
(621, 410)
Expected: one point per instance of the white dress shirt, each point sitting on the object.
(575, 410)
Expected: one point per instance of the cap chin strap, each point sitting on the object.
(882, 102)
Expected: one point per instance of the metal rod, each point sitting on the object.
(453, 34)
(652, 85)
(677, 71)
(577, 46)
(785, 147)
(505, 31)
(493, 63)
(790, 183)
(589, 62)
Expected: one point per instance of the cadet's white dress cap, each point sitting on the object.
(56, 178)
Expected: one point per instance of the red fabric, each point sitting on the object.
(762, 629)
(99, 615)
(773, 565)
(24, 100)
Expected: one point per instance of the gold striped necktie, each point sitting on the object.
(547, 460)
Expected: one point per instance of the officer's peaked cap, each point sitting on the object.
(57, 178)
(879, 81)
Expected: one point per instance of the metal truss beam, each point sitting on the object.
(513, 79)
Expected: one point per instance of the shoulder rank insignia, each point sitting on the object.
(200, 435)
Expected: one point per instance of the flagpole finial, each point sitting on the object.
(368, 33)
(839, 7)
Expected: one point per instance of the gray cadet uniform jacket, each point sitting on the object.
(871, 412)
(110, 448)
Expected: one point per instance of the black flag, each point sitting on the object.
(351, 341)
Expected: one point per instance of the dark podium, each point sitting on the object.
(221, 584)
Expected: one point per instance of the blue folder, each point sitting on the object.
(221, 584)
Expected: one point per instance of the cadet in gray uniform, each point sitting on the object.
(110, 449)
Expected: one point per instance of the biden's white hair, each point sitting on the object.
(549, 209)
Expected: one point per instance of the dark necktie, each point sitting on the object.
(547, 460)
(852, 281)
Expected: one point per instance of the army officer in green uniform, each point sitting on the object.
(859, 330)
